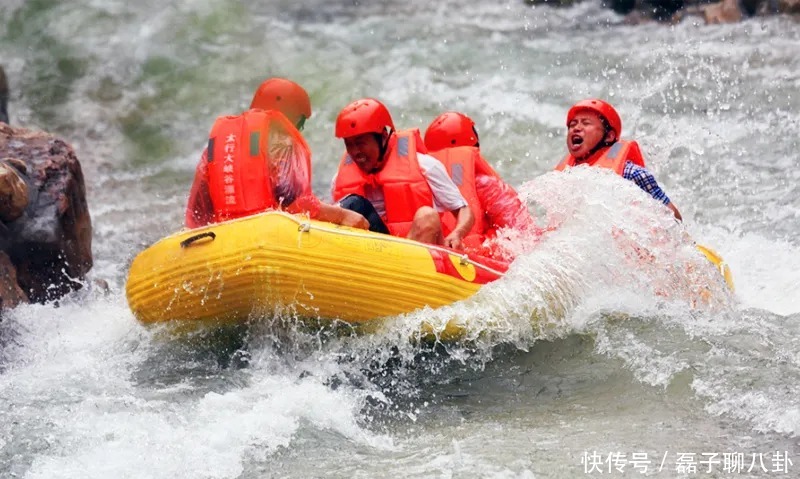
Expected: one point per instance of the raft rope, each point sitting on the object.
(306, 227)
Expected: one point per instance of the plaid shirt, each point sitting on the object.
(645, 180)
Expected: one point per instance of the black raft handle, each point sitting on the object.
(188, 241)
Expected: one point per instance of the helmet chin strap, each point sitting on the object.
(383, 145)
(599, 146)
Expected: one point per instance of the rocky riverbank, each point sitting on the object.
(45, 228)
(673, 11)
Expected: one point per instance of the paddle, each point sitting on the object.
(718, 262)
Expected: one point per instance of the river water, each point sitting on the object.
(581, 362)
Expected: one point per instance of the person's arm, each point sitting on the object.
(646, 181)
(502, 205)
(448, 198)
(317, 210)
(675, 211)
(464, 221)
(307, 203)
(200, 209)
(288, 161)
(341, 216)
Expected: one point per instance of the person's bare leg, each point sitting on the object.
(426, 227)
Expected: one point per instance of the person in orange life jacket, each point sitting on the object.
(593, 138)
(409, 190)
(289, 183)
(452, 139)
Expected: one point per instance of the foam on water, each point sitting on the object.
(91, 393)
(621, 252)
(767, 272)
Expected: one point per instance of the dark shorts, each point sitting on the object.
(361, 205)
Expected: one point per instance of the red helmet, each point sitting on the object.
(363, 116)
(601, 108)
(450, 129)
(285, 96)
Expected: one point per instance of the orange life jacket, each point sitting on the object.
(463, 163)
(239, 168)
(405, 188)
(614, 157)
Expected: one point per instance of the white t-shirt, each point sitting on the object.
(446, 196)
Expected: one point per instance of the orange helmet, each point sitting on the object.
(363, 116)
(450, 129)
(600, 107)
(285, 96)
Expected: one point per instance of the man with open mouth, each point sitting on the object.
(593, 139)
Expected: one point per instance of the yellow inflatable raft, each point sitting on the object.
(275, 261)
(718, 263)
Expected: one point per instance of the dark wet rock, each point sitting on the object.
(673, 11)
(13, 189)
(788, 6)
(661, 10)
(637, 17)
(636, 11)
(10, 292)
(623, 7)
(757, 7)
(51, 243)
(555, 3)
(3, 96)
